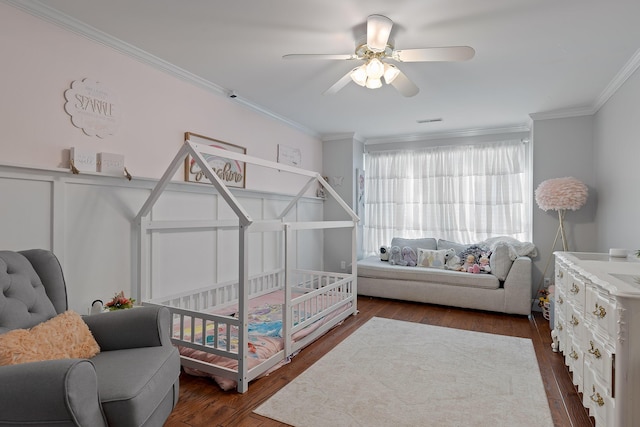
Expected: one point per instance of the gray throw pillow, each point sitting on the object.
(458, 247)
(424, 243)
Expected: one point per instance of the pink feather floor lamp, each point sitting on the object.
(560, 194)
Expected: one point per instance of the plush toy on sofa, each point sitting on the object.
(484, 263)
(451, 260)
(395, 256)
(409, 256)
(470, 265)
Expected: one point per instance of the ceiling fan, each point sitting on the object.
(376, 50)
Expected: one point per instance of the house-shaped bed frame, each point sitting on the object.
(311, 298)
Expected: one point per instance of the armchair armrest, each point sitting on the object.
(54, 392)
(147, 326)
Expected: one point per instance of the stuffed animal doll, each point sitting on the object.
(409, 256)
(470, 265)
(395, 256)
(484, 263)
(451, 260)
(384, 253)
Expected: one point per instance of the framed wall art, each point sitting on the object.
(231, 172)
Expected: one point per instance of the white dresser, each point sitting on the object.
(597, 329)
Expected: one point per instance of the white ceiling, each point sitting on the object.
(532, 56)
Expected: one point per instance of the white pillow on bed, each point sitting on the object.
(431, 258)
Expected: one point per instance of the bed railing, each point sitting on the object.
(322, 294)
(323, 291)
(224, 294)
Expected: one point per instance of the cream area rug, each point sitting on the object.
(395, 373)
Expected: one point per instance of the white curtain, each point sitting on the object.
(461, 193)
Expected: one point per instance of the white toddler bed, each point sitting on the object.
(278, 327)
(221, 330)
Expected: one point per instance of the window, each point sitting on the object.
(461, 193)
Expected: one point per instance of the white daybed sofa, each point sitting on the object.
(507, 289)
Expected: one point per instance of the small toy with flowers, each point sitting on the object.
(120, 302)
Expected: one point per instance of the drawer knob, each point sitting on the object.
(560, 274)
(594, 351)
(573, 355)
(560, 326)
(596, 397)
(575, 289)
(560, 300)
(574, 321)
(600, 312)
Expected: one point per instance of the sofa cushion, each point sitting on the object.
(374, 267)
(426, 243)
(66, 336)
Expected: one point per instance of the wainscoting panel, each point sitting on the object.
(88, 221)
(26, 212)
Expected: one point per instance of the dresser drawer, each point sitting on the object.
(600, 360)
(561, 274)
(600, 404)
(575, 290)
(574, 359)
(600, 312)
(575, 323)
(560, 326)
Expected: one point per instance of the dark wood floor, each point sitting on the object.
(202, 403)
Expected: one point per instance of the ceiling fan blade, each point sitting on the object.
(378, 31)
(344, 80)
(346, 56)
(405, 86)
(434, 54)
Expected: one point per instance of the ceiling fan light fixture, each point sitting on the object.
(359, 75)
(375, 68)
(390, 73)
(373, 83)
(378, 32)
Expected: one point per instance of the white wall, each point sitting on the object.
(41, 60)
(563, 147)
(87, 220)
(341, 173)
(617, 161)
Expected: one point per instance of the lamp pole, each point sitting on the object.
(565, 245)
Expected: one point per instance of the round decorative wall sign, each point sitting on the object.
(92, 107)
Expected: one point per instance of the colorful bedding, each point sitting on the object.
(264, 340)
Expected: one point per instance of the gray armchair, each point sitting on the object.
(133, 381)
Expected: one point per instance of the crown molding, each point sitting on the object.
(447, 135)
(623, 75)
(342, 137)
(41, 10)
(564, 113)
(614, 85)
